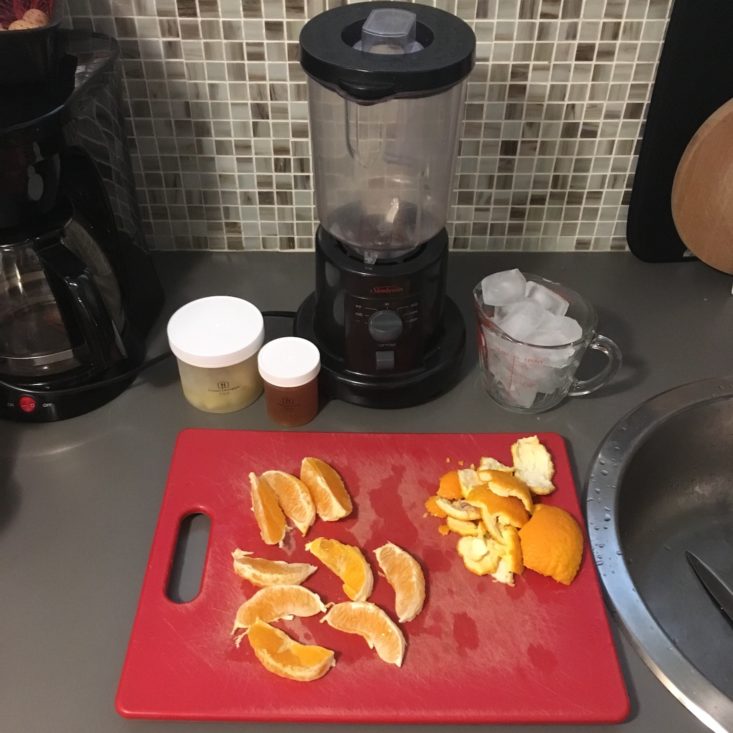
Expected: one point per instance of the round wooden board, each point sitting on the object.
(702, 193)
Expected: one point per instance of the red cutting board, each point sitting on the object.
(480, 652)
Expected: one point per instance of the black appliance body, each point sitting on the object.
(387, 333)
(78, 291)
(386, 83)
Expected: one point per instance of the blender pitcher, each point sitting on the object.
(384, 124)
(386, 85)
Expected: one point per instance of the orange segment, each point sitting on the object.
(432, 507)
(371, 623)
(294, 498)
(404, 574)
(276, 602)
(348, 563)
(331, 499)
(450, 486)
(262, 572)
(505, 484)
(552, 544)
(283, 656)
(267, 511)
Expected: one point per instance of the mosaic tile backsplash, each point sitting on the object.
(218, 119)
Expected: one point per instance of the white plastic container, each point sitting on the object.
(289, 367)
(216, 341)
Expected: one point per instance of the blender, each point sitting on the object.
(386, 86)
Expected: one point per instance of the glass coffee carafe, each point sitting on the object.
(60, 304)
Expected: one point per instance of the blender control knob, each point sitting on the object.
(385, 326)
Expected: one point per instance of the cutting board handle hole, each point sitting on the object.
(186, 573)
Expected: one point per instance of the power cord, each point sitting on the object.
(87, 387)
(278, 314)
(120, 377)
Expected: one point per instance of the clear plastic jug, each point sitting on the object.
(384, 169)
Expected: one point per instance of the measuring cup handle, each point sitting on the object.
(612, 353)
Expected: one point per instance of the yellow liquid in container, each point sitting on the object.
(216, 341)
(221, 389)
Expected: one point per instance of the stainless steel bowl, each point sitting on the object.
(662, 483)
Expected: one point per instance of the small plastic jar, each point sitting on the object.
(216, 341)
(289, 368)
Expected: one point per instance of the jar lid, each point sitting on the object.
(218, 331)
(289, 362)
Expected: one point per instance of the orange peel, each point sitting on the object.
(533, 465)
(552, 544)
(480, 555)
(458, 509)
(506, 484)
(465, 528)
(491, 464)
(497, 510)
(432, 507)
(449, 486)
(468, 478)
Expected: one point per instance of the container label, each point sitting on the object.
(224, 387)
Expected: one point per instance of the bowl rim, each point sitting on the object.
(683, 680)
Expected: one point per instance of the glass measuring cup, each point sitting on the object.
(525, 377)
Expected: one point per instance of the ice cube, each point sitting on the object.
(514, 380)
(504, 287)
(547, 368)
(521, 320)
(522, 395)
(548, 299)
(557, 331)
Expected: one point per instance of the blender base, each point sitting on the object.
(438, 373)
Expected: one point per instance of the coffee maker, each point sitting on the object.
(386, 87)
(78, 292)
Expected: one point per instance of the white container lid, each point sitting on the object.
(289, 362)
(218, 331)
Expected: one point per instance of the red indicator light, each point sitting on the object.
(27, 404)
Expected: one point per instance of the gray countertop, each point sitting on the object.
(79, 499)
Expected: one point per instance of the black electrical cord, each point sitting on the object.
(278, 314)
(120, 377)
(86, 387)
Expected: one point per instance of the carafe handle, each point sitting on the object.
(81, 306)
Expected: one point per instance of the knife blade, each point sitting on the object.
(718, 589)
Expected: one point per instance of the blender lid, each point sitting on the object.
(440, 55)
